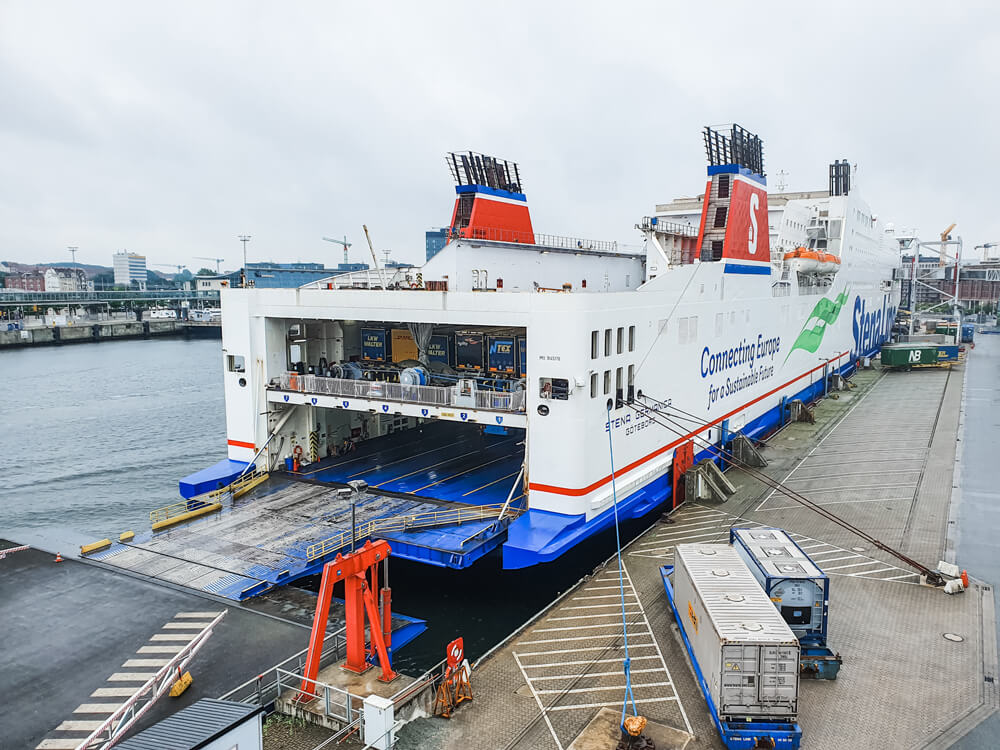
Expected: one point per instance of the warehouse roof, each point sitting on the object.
(193, 727)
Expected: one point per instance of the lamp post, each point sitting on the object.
(244, 238)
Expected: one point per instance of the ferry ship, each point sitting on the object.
(506, 371)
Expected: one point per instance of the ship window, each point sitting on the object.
(723, 186)
(595, 347)
(716, 250)
(621, 340)
(631, 376)
(607, 382)
(560, 389)
(719, 317)
(593, 385)
(235, 363)
(607, 342)
(618, 381)
(720, 217)
(631, 338)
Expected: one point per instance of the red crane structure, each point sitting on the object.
(359, 600)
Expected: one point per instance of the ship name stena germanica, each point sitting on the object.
(510, 356)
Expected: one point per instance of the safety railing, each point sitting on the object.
(399, 524)
(240, 486)
(263, 689)
(425, 395)
(115, 726)
(336, 703)
(656, 224)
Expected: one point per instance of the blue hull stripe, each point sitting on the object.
(743, 268)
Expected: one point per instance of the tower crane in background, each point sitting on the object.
(179, 266)
(218, 262)
(343, 242)
(945, 236)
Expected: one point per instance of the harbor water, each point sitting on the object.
(97, 435)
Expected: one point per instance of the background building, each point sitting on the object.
(29, 282)
(66, 280)
(435, 239)
(130, 267)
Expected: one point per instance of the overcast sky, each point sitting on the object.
(170, 128)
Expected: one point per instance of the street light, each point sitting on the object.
(244, 238)
(72, 251)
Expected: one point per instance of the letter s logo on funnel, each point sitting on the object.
(752, 234)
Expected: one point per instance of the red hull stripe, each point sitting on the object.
(573, 492)
(241, 444)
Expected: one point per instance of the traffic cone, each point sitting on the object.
(58, 557)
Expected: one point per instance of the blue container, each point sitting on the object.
(501, 356)
(375, 345)
(522, 357)
(439, 349)
(289, 463)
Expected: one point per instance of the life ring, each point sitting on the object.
(298, 451)
(414, 285)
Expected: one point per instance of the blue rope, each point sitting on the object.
(621, 586)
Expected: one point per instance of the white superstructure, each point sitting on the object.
(666, 351)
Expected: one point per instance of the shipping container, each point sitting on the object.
(745, 656)
(799, 590)
(375, 345)
(501, 358)
(522, 357)
(469, 351)
(403, 346)
(440, 349)
(909, 354)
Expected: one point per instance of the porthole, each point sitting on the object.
(243, 382)
(543, 410)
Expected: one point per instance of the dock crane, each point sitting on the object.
(218, 262)
(343, 242)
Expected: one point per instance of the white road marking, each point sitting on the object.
(843, 502)
(587, 648)
(198, 615)
(145, 663)
(581, 638)
(577, 675)
(60, 744)
(131, 676)
(187, 625)
(112, 692)
(173, 637)
(583, 661)
(598, 689)
(539, 702)
(855, 565)
(590, 617)
(164, 649)
(97, 708)
(77, 725)
(872, 572)
(664, 699)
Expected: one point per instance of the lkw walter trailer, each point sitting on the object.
(744, 655)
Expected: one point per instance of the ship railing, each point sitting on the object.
(240, 486)
(657, 224)
(380, 390)
(402, 524)
(515, 237)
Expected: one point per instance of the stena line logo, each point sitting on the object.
(752, 235)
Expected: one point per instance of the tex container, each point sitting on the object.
(746, 653)
(522, 357)
(909, 354)
(799, 590)
(501, 357)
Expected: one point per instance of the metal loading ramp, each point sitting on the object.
(289, 528)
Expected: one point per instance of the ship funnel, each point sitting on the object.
(734, 222)
(840, 177)
(490, 203)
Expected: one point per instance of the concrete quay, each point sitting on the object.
(92, 332)
(882, 456)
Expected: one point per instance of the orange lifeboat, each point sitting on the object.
(804, 260)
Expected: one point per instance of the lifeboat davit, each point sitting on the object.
(803, 260)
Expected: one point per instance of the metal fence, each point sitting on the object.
(427, 395)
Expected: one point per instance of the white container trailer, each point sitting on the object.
(745, 655)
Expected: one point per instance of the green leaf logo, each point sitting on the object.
(825, 314)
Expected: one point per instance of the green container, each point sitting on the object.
(907, 355)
